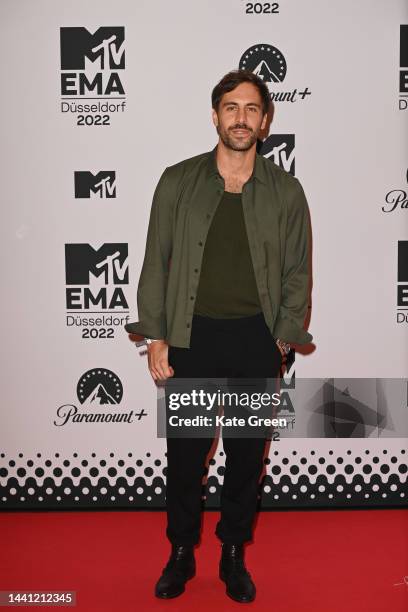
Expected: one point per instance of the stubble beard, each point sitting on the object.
(237, 144)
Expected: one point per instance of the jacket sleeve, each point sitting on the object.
(295, 277)
(151, 291)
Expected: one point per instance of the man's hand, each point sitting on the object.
(157, 355)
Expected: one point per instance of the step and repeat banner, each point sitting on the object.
(97, 99)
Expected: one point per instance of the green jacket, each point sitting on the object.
(277, 223)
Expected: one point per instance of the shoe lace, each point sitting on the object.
(176, 563)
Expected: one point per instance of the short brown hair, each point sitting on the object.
(234, 78)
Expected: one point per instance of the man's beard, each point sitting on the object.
(237, 144)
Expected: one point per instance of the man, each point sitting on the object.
(223, 291)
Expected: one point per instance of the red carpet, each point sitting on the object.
(322, 561)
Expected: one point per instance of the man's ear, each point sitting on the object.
(214, 117)
(264, 120)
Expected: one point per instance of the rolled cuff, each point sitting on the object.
(288, 331)
(153, 328)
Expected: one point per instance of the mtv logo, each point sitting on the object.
(102, 184)
(402, 289)
(107, 265)
(404, 59)
(105, 49)
(404, 46)
(280, 148)
(403, 261)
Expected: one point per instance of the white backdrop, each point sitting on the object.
(349, 127)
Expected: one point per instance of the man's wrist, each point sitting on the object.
(283, 346)
(150, 340)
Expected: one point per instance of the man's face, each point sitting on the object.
(240, 117)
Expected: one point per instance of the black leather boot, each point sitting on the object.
(180, 568)
(235, 575)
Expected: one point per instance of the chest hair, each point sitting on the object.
(233, 184)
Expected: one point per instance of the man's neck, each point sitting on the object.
(235, 163)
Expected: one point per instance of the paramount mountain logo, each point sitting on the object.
(269, 63)
(266, 74)
(97, 388)
(100, 396)
(265, 61)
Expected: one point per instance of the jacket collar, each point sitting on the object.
(258, 172)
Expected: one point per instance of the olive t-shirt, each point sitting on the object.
(227, 286)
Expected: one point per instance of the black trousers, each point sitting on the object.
(239, 348)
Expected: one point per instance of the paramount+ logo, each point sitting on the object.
(92, 73)
(99, 391)
(269, 64)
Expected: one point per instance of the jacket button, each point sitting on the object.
(188, 324)
(200, 243)
(195, 269)
(191, 297)
(208, 216)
